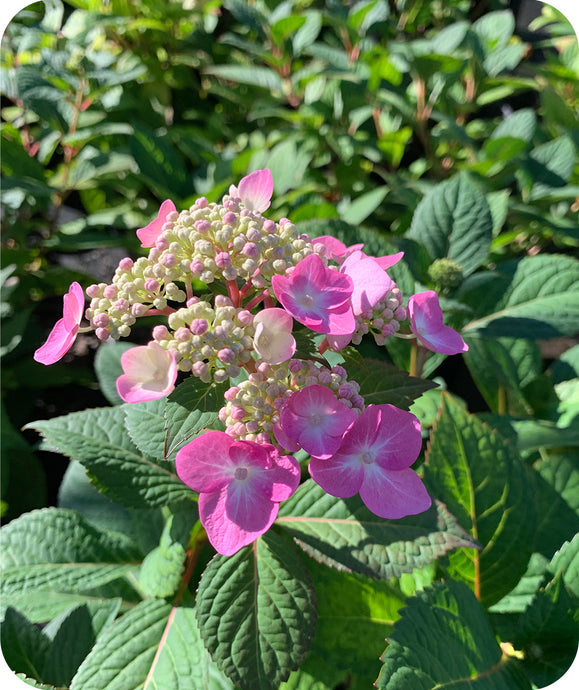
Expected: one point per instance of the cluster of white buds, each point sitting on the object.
(211, 342)
(383, 320)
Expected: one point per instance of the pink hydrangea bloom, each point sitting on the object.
(374, 459)
(240, 485)
(150, 373)
(273, 340)
(317, 296)
(148, 235)
(63, 334)
(425, 316)
(315, 419)
(254, 190)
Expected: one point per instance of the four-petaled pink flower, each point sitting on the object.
(149, 234)
(425, 316)
(63, 334)
(254, 190)
(317, 296)
(314, 419)
(150, 373)
(273, 340)
(374, 459)
(240, 485)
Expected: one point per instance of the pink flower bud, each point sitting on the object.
(199, 326)
(230, 218)
(101, 320)
(126, 264)
(151, 285)
(168, 260)
(226, 355)
(223, 260)
(102, 334)
(110, 292)
(201, 202)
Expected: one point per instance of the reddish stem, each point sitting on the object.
(233, 292)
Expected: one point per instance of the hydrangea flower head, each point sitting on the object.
(150, 373)
(240, 485)
(374, 459)
(149, 234)
(314, 419)
(425, 316)
(63, 334)
(317, 296)
(273, 340)
(254, 190)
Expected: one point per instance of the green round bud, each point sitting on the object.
(445, 273)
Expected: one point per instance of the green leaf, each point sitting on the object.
(531, 434)
(500, 368)
(520, 125)
(566, 562)
(54, 535)
(107, 366)
(557, 482)
(454, 221)
(98, 439)
(307, 33)
(363, 206)
(354, 616)
(72, 642)
(256, 612)
(444, 639)
(262, 77)
(382, 383)
(550, 166)
(162, 568)
(191, 408)
(484, 483)
(344, 534)
(24, 646)
(154, 645)
(539, 298)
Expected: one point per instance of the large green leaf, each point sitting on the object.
(382, 383)
(444, 639)
(98, 439)
(485, 484)
(500, 368)
(454, 221)
(539, 298)
(344, 534)
(162, 568)
(53, 559)
(24, 645)
(154, 645)
(256, 612)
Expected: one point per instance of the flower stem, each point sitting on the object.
(233, 292)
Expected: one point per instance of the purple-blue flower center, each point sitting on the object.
(241, 473)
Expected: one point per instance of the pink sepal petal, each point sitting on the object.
(64, 331)
(150, 373)
(149, 234)
(386, 262)
(398, 440)
(255, 190)
(371, 283)
(393, 494)
(284, 440)
(58, 343)
(339, 476)
(426, 322)
(204, 463)
(226, 536)
(285, 476)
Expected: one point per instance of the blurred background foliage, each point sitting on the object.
(359, 109)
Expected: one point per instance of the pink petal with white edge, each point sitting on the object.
(225, 535)
(255, 190)
(204, 463)
(393, 495)
(150, 373)
(149, 234)
(371, 283)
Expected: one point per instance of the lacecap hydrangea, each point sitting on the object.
(262, 277)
